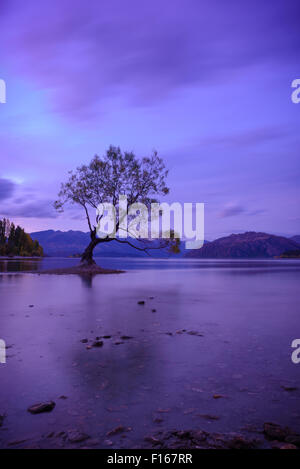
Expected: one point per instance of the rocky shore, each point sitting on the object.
(269, 436)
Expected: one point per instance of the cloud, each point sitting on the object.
(84, 53)
(36, 209)
(251, 137)
(257, 212)
(231, 210)
(7, 188)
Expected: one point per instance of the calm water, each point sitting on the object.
(245, 314)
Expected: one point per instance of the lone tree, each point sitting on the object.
(103, 180)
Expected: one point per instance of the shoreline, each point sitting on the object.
(77, 270)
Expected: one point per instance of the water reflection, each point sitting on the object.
(246, 324)
(232, 265)
(17, 265)
(86, 280)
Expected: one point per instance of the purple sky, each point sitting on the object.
(206, 83)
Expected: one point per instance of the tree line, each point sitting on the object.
(15, 242)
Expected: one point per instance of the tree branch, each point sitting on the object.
(88, 217)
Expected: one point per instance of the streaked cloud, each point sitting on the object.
(231, 210)
(7, 188)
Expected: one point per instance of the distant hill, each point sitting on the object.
(249, 245)
(69, 243)
(296, 238)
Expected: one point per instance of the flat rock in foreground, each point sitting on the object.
(41, 407)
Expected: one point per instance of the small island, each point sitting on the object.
(291, 254)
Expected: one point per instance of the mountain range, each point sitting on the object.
(244, 245)
(249, 245)
(70, 243)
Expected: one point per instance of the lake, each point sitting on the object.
(209, 349)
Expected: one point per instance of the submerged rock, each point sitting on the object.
(290, 388)
(41, 407)
(117, 430)
(77, 437)
(293, 439)
(275, 432)
(288, 446)
(200, 439)
(98, 343)
(141, 302)
(240, 442)
(209, 417)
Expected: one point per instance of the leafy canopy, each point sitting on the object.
(104, 179)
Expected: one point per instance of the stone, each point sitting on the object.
(293, 439)
(275, 431)
(290, 388)
(2, 417)
(98, 343)
(158, 420)
(142, 302)
(209, 417)
(41, 407)
(288, 446)
(153, 440)
(117, 430)
(77, 437)
(240, 442)
(93, 442)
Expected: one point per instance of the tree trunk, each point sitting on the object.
(87, 256)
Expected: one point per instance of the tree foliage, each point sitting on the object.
(15, 242)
